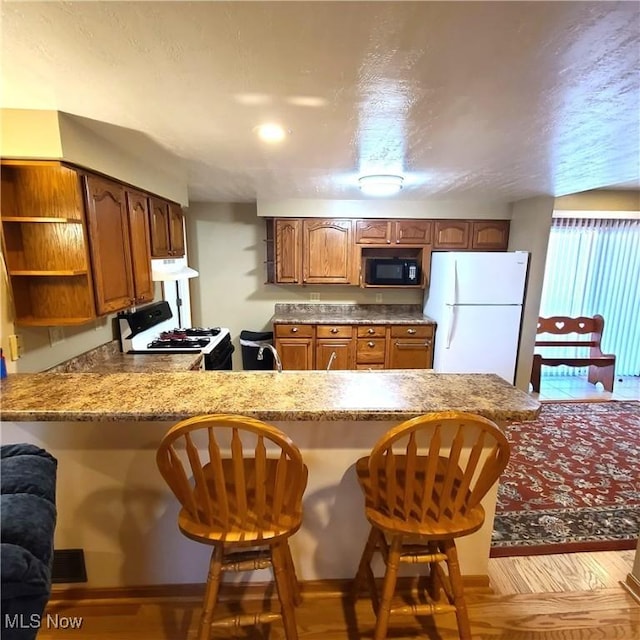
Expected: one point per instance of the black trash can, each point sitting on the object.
(251, 341)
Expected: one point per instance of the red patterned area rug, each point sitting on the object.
(573, 481)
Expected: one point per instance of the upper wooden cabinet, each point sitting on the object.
(393, 232)
(138, 218)
(46, 244)
(373, 231)
(452, 234)
(476, 235)
(77, 244)
(110, 246)
(335, 251)
(489, 235)
(326, 251)
(310, 251)
(118, 220)
(167, 229)
(288, 240)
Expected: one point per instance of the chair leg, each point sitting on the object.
(455, 578)
(433, 584)
(606, 375)
(211, 593)
(388, 588)
(291, 571)
(364, 568)
(283, 584)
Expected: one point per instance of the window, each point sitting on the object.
(593, 266)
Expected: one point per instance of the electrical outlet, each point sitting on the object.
(378, 297)
(56, 335)
(314, 297)
(15, 346)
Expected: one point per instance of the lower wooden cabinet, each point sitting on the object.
(335, 354)
(371, 346)
(334, 347)
(295, 345)
(305, 347)
(296, 354)
(410, 347)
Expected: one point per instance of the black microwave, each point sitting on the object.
(392, 271)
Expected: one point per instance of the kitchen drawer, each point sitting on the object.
(366, 367)
(294, 331)
(370, 350)
(412, 331)
(334, 331)
(371, 331)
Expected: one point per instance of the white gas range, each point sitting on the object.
(151, 329)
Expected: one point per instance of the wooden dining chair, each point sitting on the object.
(423, 483)
(240, 483)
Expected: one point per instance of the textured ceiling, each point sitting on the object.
(495, 101)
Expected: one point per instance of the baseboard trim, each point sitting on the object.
(230, 592)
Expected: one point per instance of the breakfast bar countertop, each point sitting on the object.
(318, 396)
(301, 313)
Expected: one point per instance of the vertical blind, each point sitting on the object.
(593, 267)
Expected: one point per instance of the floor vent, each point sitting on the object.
(68, 566)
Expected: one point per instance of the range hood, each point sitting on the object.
(171, 269)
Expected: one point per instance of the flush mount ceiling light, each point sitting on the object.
(271, 132)
(380, 185)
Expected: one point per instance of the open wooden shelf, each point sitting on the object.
(48, 272)
(48, 219)
(33, 321)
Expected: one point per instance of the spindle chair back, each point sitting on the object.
(423, 484)
(240, 483)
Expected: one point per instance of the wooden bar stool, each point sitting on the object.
(423, 483)
(242, 495)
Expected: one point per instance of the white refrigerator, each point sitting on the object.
(476, 299)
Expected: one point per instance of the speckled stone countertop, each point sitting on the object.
(109, 359)
(349, 314)
(289, 396)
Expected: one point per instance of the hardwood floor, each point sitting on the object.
(560, 597)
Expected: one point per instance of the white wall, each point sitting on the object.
(113, 503)
(372, 208)
(529, 231)
(226, 245)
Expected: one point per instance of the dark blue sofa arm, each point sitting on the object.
(27, 524)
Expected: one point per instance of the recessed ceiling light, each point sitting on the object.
(380, 185)
(271, 132)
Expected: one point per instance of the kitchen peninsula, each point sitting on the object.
(105, 428)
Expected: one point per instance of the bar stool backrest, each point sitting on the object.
(436, 467)
(233, 473)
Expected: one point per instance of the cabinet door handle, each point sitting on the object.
(371, 331)
(294, 329)
(413, 345)
(371, 344)
(388, 241)
(334, 330)
(411, 332)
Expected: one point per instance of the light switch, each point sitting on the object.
(15, 346)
